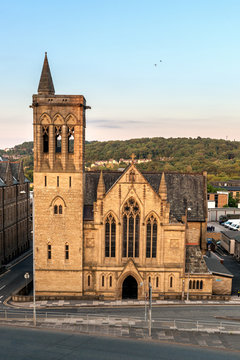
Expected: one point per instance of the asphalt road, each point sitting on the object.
(13, 279)
(22, 344)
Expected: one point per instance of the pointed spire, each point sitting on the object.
(100, 187)
(46, 84)
(163, 188)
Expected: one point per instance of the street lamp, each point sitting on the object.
(33, 232)
(150, 310)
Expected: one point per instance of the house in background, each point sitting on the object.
(15, 231)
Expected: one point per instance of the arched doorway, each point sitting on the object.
(130, 288)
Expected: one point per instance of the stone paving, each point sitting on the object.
(94, 303)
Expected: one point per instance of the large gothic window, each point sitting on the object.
(151, 246)
(110, 236)
(71, 139)
(45, 136)
(131, 223)
(58, 139)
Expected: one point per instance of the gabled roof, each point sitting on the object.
(17, 175)
(46, 84)
(183, 191)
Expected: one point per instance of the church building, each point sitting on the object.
(108, 235)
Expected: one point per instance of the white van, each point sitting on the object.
(234, 225)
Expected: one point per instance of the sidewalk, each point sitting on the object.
(117, 303)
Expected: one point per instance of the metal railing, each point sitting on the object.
(88, 322)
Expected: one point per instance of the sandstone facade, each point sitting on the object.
(109, 235)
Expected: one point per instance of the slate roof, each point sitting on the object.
(216, 267)
(46, 84)
(14, 166)
(183, 191)
(195, 263)
(232, 234)
(230, 188)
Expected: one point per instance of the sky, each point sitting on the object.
(107, 50)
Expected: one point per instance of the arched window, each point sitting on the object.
(131, 223)
(55, 209)
(45, 137)
(157, 281)
(197, 284)
(60, 209)
(190, 284)
(151, 247)
(201, 285)
(194, 284)
(103, 280)
(171, 282)
(58, 139)
(71, 139)
(110, 236)
(110, 281)
(89, 280)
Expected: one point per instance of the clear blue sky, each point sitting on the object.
(106, 50)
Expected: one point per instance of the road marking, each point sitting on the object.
(2, 287)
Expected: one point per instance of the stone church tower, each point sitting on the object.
(110, 235)
(59, 137)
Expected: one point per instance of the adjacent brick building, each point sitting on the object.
(107, 235)
(14, 211)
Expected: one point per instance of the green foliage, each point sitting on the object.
(220, 158)
(232, 202)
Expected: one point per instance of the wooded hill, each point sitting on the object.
(220, 158)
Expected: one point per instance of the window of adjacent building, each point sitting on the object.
(49, 251)
(103, 280)
(110, 236)
(71, 139)
(131, 224)
(45, 180)
(66, 251)
(151, 243)
(58, 139)
(216, 200)
(45, 137)
(110, 281)
(171, 282)
(89, 280)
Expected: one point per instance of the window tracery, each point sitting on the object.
(110, 236)
(71, 139)
(151, 243)
(131, 224)
(58, 139)
(45, 137)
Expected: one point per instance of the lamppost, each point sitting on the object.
(150, 311)
(33, 232)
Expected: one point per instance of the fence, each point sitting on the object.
(111, 324)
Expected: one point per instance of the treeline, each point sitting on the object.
(220, 158)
